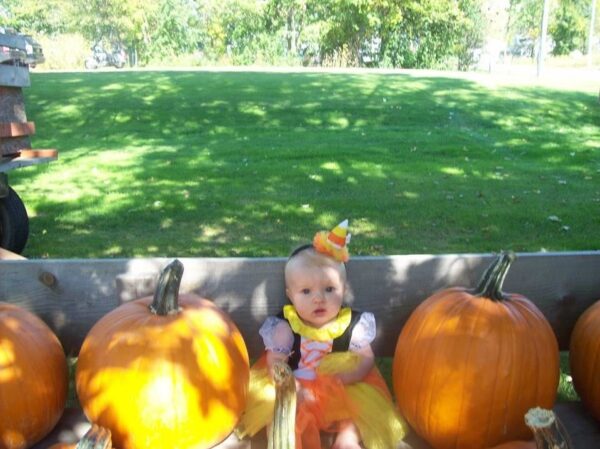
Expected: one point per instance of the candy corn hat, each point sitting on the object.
(333, 243)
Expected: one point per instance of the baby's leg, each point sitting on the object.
(348, 437)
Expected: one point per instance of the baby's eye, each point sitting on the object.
(330, 289)
(305, 291)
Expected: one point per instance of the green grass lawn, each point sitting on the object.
(251, 164)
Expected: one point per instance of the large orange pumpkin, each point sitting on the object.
(33, 378)
(470, 363)
(584, 358)
(164, 372)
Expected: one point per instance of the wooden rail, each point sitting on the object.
(71, 295)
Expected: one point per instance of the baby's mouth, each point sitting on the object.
(319, 311)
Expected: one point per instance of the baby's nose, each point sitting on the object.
(318, 296)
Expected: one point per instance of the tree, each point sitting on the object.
(150, 29)
(524, 18)
(569, 27)
(33, 16)
(432, 31)
(289, 15)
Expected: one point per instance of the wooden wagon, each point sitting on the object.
(15, 132)
(71, 295)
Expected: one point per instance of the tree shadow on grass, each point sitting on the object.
(250, 164)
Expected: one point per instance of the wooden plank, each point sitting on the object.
(12, 104)
(583, 431)
(38, 154)
(12, 110)
(71, 295)
(11, 146)
(15, 129)
(74, 424)
(14, 76)
(27, 158)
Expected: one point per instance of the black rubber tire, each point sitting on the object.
(14, 223)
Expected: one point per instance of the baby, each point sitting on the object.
(328, 347)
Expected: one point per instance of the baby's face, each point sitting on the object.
(316, 292)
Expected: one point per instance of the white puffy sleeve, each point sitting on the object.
(364, 332)
(277, 335)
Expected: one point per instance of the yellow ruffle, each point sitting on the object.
(328, 332)
(379, 423)
(260, 403)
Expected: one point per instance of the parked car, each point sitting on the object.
(19, 49)
(103, 58)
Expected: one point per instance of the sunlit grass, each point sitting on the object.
(251, 164)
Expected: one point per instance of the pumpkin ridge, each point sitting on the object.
(43, 365)
(595, 393)
(418, 335)
(450, 312)
(585, 367)
(37, 325)
(467, 355)
(501, 353)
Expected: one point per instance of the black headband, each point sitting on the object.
(300, 249)
(304, 247)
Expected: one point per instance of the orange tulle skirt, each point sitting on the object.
(367, 404)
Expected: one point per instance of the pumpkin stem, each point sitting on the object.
(282, 434)
(167, 290)
(548, 430)
(96, 438)
(490, 285)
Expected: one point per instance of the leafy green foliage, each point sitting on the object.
(384, 33)
(390, 33)
(34, 16)
(569, 28)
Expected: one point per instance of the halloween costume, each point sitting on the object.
(316, 355)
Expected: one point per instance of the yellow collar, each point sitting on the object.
(328, 332)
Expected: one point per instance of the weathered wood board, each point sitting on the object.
(71, 295)
(14, 76)
(584, 432)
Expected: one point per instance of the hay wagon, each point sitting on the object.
(17, 53)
